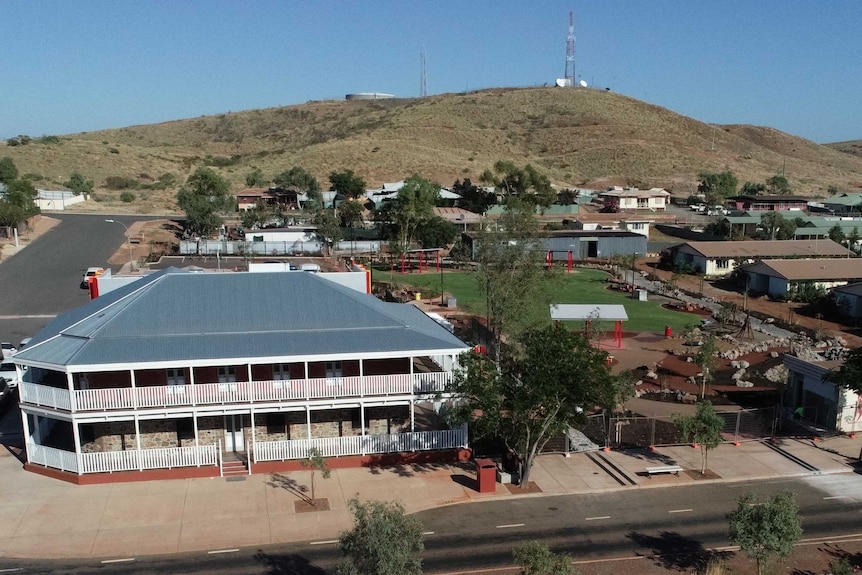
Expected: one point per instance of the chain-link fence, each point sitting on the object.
(622, 432)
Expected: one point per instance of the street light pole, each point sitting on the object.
(128, 241)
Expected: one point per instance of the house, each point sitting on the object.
(621, 199)
(721, 258)
(288, 198)
(844, 203)
(822, 403)
(458, 217)
(586, 244)
(193, 375)
(767, 203)
(781, 278)
(625, 222)
(849, 298)
(389, 191)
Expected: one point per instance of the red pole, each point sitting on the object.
(570, 261)
(420, 261)
(549, 259)
(402, 264)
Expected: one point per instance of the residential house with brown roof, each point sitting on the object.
(720, 258)
(767, 203)
(632, 199)
(781, 278)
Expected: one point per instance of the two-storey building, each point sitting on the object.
(189, 375)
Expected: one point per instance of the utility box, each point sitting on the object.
(486, 475)
(451, 302)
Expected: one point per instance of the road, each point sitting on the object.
(44, 278)
(677, 523)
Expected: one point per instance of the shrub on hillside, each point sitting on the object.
(127, 197)
(121, 183)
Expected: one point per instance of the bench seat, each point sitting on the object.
(675, 469)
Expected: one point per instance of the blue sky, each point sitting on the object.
(73, 66)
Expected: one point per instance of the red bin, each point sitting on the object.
(486, 475)
(667, 331)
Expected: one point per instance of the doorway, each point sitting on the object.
(233, 437)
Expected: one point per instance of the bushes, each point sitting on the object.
(127, 197)
(121, 183)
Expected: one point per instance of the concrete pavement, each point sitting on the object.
(46, 518)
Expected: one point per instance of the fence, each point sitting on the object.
(623, 432)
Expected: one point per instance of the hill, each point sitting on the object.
(579, 137)
(853, 147)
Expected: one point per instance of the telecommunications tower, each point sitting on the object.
(423, 82)
(570, 52)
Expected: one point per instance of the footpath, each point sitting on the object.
(47, 518)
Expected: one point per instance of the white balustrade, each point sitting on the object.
(360, 445)
(234, 392)
(52, 457)
(134, 460)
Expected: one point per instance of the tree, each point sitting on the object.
(402, 216)
(776, 227)
(567, 197)
(537, 559)
(703, 429)
(203, 196)
(473, 199)
(511, 272)
(778, 185)
(706, 358)
(315, 462)
(383, 541)
(255, 178)
(548, 386)
(18, 203)
(349, 214)
(525, 183)
(8, 170)
(79, 184)
(765, 529)
(347, 183)
(436, 233)
(836, 234)
(853, 238)
(717, 186)
(328, 230)
(305, 182)
(752, 189)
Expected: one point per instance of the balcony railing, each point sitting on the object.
(131, 460)
(360, 445)
(235, 392)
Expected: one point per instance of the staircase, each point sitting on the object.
(233, 466)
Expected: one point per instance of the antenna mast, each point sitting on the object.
(570, 52)
(423, 83)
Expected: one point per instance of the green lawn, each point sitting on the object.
(584, 286)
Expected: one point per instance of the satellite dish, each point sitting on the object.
(583, 83)
(562, 82)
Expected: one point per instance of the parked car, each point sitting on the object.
(7, 372)
(24, 343)
(91, 272)
(8, 349)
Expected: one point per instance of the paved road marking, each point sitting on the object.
(13, 570)
(324, 542)
(680, 510)
(612, 560)
(595, 518)
(127, 560)
(837, 497)
(43, 316)
(427, 533)
(510, 525)
(217, 551)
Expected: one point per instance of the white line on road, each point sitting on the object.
(13, 570)
(510, 525)
(324, 542)
(128, 560)
(427, 533)
(217, 551)
(680, 510)
(837, 497)
(595, 518)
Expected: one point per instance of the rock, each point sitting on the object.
(689, 398)
(738, 375)
(651, 375)
(744, 384)
(734, 364)
(689, 360)
(773, 354)
(821, 344)
(744, 364)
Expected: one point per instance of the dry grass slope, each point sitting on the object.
(577, 136)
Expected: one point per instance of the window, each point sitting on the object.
(281, 372)
(275, 423)
(333, 369)
(226, 374)
(722, 264)
(176, 376)
(185, 429)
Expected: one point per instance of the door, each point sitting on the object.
(233, 439)
(227, 379)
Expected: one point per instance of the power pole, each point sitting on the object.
(570, 52)
(423, 82)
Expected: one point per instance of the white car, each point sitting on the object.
(8, 372)
(91, 272)
(8, 349)
(24, 343)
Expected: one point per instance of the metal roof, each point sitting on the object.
(173, 316)
(810, 270)
(765, 248)
(586, 312)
